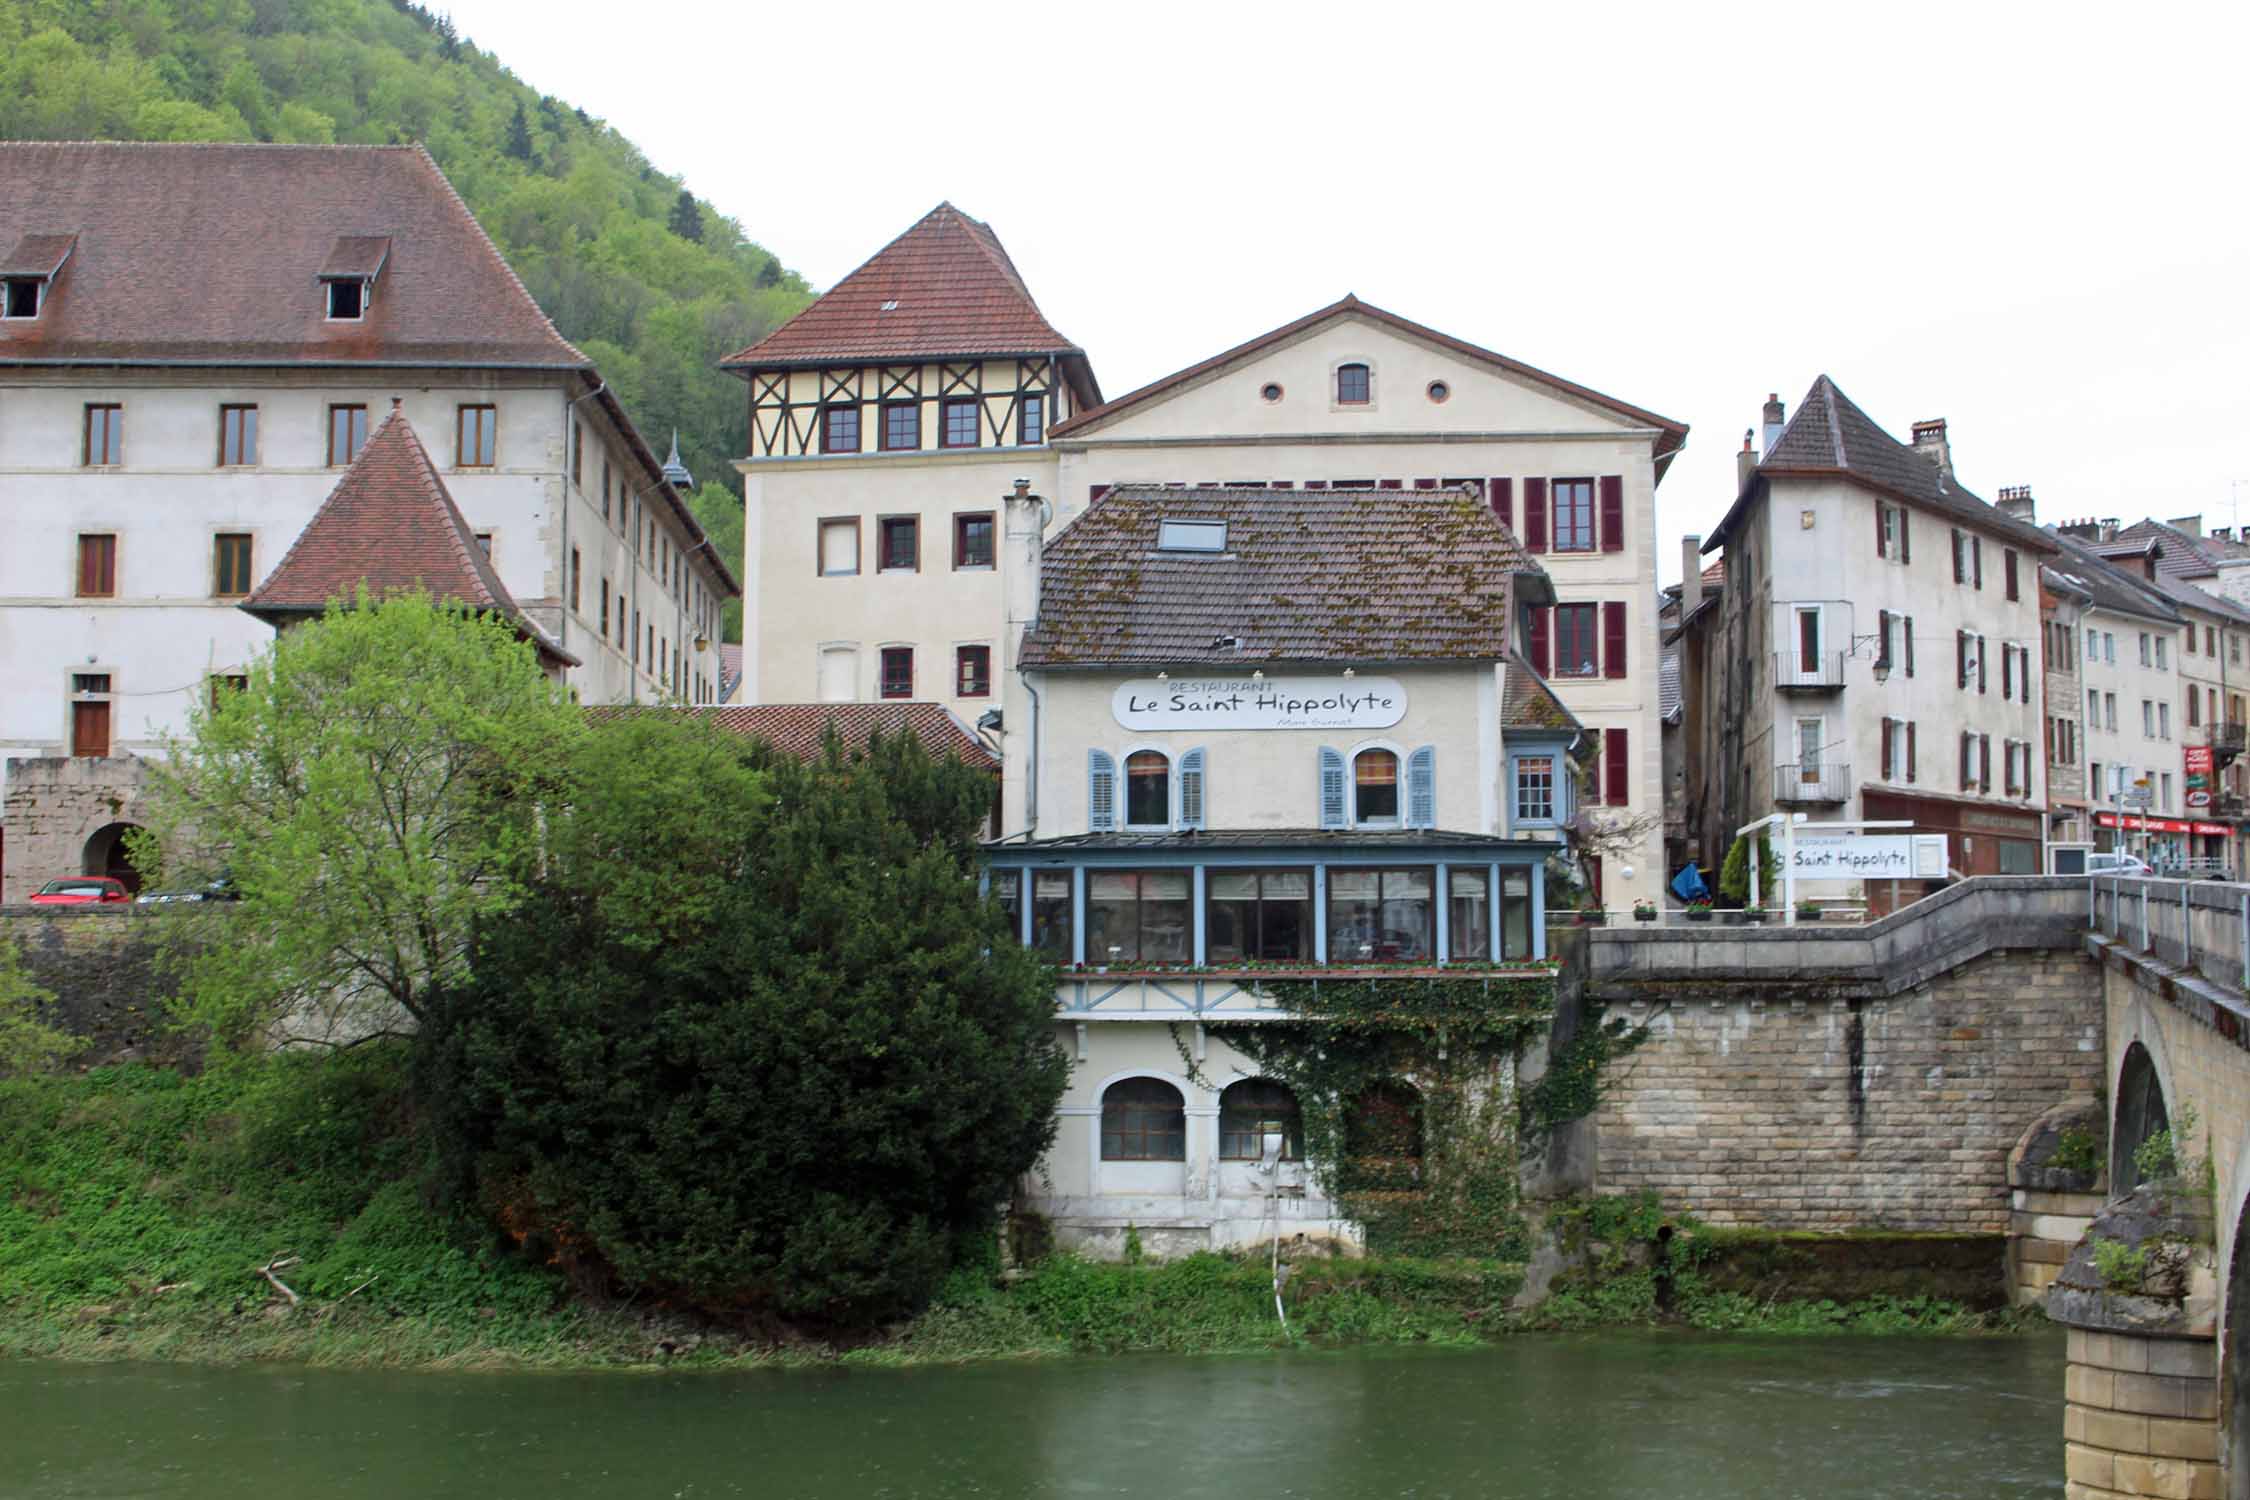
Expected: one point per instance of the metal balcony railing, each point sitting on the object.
(2226, 740)
(1812, 781)
(1795, 672)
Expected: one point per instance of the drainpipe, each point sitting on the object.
(1026, 516)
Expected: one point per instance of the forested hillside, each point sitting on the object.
(652, 283)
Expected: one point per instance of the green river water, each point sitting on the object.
(1674, 1417)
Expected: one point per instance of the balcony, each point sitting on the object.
(1810, 782)
(2226, 741)
(1795, 672)
(2230, 807)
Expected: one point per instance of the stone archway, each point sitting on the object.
(2140, 1111)
(2234, 1363)
(106, 855)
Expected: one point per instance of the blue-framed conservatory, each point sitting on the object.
(1171, 925)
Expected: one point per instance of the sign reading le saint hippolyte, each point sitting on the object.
(1152, 703)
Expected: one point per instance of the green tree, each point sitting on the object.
(687, 217)
(809, 1098)
(519, 134)
(27, 1042)
(373, 792)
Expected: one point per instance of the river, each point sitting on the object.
(1674, 1417)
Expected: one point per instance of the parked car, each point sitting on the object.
(221, 889)
(81, 890)
(2118, 864)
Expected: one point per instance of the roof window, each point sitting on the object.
(21, 297)
(28, 269)
(349, 273)
(1191, 536)
(347, 301)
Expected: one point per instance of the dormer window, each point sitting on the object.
(28, 270)
(348, 276)
(1191, 536)
(22, 297)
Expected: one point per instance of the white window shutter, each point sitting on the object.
(1191, 788)
(1101, 791)
(1332, 812)
(1421, 788)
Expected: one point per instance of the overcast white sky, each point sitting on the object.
(2029, 220)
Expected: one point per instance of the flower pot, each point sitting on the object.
(1757, 917)
(1702, 914)
(1808, 916)
(1592, 918)
(1644, 916)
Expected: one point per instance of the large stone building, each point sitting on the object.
(1874, 654)
(195, 343)
(889, 420)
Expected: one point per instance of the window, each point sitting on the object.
(2109, 710)
(839, 429)
(89, 717)
(477, 437)
(2094, 785)
(1354, 386)
(105, 436)
(1050, 914)
(1138, 917)
(97, 565)
(2093, 645)
(1143, 1119)
(2194, 709)
(347, 301)
(578, 453)
(1572, 502)
(605, 489)
(1535, 789)
(1468, 914)
(2163, 721)
(1253, 1109)
(1191, 536)
(1577, 648)
(22, 298)
(2160, 644)
(902, 425)
(2109, 648)
(230, 564)
(972, 539)
(2148, 719)
(2093, 709)
(1258, 915)
(347, 434)
(838, 677)
(2210, 640)
(1148, 789)
(1031, 421)
(2165, 800)
(1438, 391)
(1375, 787)
(958, 427)
(1515, 913)
(484, 544)
(1381, 916)
(605, 608)
(898, 672)
(839, 546)
(238, 436)
(1007, 889)
(1894, 524)
(574, 578)
(2008, 572)
(972, 671)
(898, 544)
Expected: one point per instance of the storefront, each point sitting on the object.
(2166, 842)
(1980, 839)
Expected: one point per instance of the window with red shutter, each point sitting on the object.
(1968, 761)
(1501, 494)
(1539, 652)
(1886, 749)
(1617, 772)
(1976, 561)
(1613, 640)
(1910, 751)
(1535, 515)
(2008, 570)
(1882, 538)
(1613, 512)
(1984, 757)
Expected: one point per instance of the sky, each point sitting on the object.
(2028, 220)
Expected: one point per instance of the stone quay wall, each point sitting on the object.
(100, 965)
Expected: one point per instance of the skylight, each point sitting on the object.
(1191, 536)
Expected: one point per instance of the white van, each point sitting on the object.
(2117, 864)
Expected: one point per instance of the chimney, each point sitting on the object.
(1691, 574)
(1025, 539)
(1929, 441)
(2192, 525)
(1745, 464)
(1773, 421)
(2015, 501)
(2108, 525)
(2088, 530)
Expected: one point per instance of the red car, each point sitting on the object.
(81, 890)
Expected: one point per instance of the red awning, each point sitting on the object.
(2135, 823)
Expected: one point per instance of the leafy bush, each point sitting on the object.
(2120, 1266)
(2077, 1149)
(1734, 871)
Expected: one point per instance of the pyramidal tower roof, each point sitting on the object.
(945, 289)
(390, 524)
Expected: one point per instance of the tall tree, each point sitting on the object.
(687, 217)
(373, 793)
(519, 134)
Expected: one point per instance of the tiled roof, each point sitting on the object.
(1672, 434)
(38, 255)
(730, 670)
(212, 252)
(1668, 703)
(1527, 702)
(1829, 435)
(2108, 586)
(798, 728)
(943, 289)
(390, 524)
(2182, 553)
(1306, 576)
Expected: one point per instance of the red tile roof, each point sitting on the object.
(797, 728)
(942, 290)
(212, 253)
(1671, 435)
(391, 525)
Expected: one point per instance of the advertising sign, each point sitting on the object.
(1191, 703)
(2197, 778)
(1854, 856)
(2135, 823)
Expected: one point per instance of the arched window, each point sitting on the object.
(1375, 787)
(1352, 385)
(1383, 1137)
(2141, 1113)
(1253, 1109)
(1143, 1119)
(1148, 789)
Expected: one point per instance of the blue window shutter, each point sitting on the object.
(1101, 791)
(1191, 789)
(1421, 788)
(1331, 788)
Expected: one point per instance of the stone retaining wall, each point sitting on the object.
(99, 963)
(2142, 1417)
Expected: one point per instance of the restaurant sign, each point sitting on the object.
(1165, 703)
(1854, 856)
(2135, 823)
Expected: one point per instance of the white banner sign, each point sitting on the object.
(1151, 703)
(1858, 856)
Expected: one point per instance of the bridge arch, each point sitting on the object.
(2141, 1097)
(2234, 1323)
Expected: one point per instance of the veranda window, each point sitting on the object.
(1138, 917)
(1381, 916)
(1258, 915)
